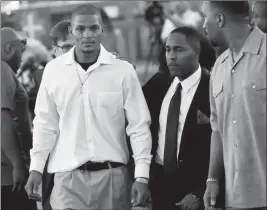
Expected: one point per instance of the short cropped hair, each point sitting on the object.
(240, 8)
(85, 10)
(60, 31)
(192, 36)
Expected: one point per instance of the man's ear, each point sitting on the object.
(70, 30)
(220, 18)
(103, 28)
(8, 48)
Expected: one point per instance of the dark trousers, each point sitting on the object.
(163, 193)
(15, 200)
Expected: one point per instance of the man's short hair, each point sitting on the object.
(85, 10)
(240, 8)
(192, 36)
(60, 31)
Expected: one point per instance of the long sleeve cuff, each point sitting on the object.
(142, 170)
(37, 165)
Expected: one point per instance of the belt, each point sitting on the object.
(93, 166)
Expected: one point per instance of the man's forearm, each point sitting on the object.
(9, 143)
(216, 156)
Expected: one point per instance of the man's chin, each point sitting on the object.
(88, 50)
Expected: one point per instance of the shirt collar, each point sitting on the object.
(103, 58)
(252, 44)
(191, 81)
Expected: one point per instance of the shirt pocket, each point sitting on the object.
(109, 103)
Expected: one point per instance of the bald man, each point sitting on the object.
(16, 131)
(259, 15)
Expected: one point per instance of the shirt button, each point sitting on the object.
(233, 71)
(233, 95)
(234, 122)
(235, 145)
(253, 86)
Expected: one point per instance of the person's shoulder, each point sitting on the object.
(122, 65)
(5, 67)
(6, 72)
(219, 61)
(55, 65)
(57, 61)
(158, 81)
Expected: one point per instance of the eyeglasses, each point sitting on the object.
(66, 47)
(21, 41)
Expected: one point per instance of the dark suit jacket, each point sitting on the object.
(193, 160)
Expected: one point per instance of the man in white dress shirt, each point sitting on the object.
(85, 97)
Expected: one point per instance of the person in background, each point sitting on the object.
(259, 15)
(62, 42)
(238, 108)
(16, 138)
(178, 101)
(113, 40)
(80, 121)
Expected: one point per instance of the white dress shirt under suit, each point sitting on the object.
(189, 87)
(75, 126)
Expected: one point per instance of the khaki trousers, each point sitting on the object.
(84, 190)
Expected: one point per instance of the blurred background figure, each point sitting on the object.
(113, 40)
(62, 41)
(16, 137)
(259, 15)
(154, 15)
(34, 59)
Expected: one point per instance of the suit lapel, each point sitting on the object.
(191, 119)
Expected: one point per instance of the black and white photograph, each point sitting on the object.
(133, 105)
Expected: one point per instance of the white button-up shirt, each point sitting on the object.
(75, 126)
(189, 87)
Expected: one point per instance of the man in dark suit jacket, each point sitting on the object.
(179, 108)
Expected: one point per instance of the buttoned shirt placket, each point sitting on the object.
(85, 94)
(233, 83)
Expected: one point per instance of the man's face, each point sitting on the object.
(87, 31)
(259, 15)
(63, 46)
(18, 47)
(180, 56)
(210, 24)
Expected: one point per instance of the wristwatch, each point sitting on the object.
(142, 180)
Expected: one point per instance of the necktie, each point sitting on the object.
(170, 151)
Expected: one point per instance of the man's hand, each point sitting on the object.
(211, 195)
(33, 184)
(20, 175)
(140, 194)
(189, 202)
